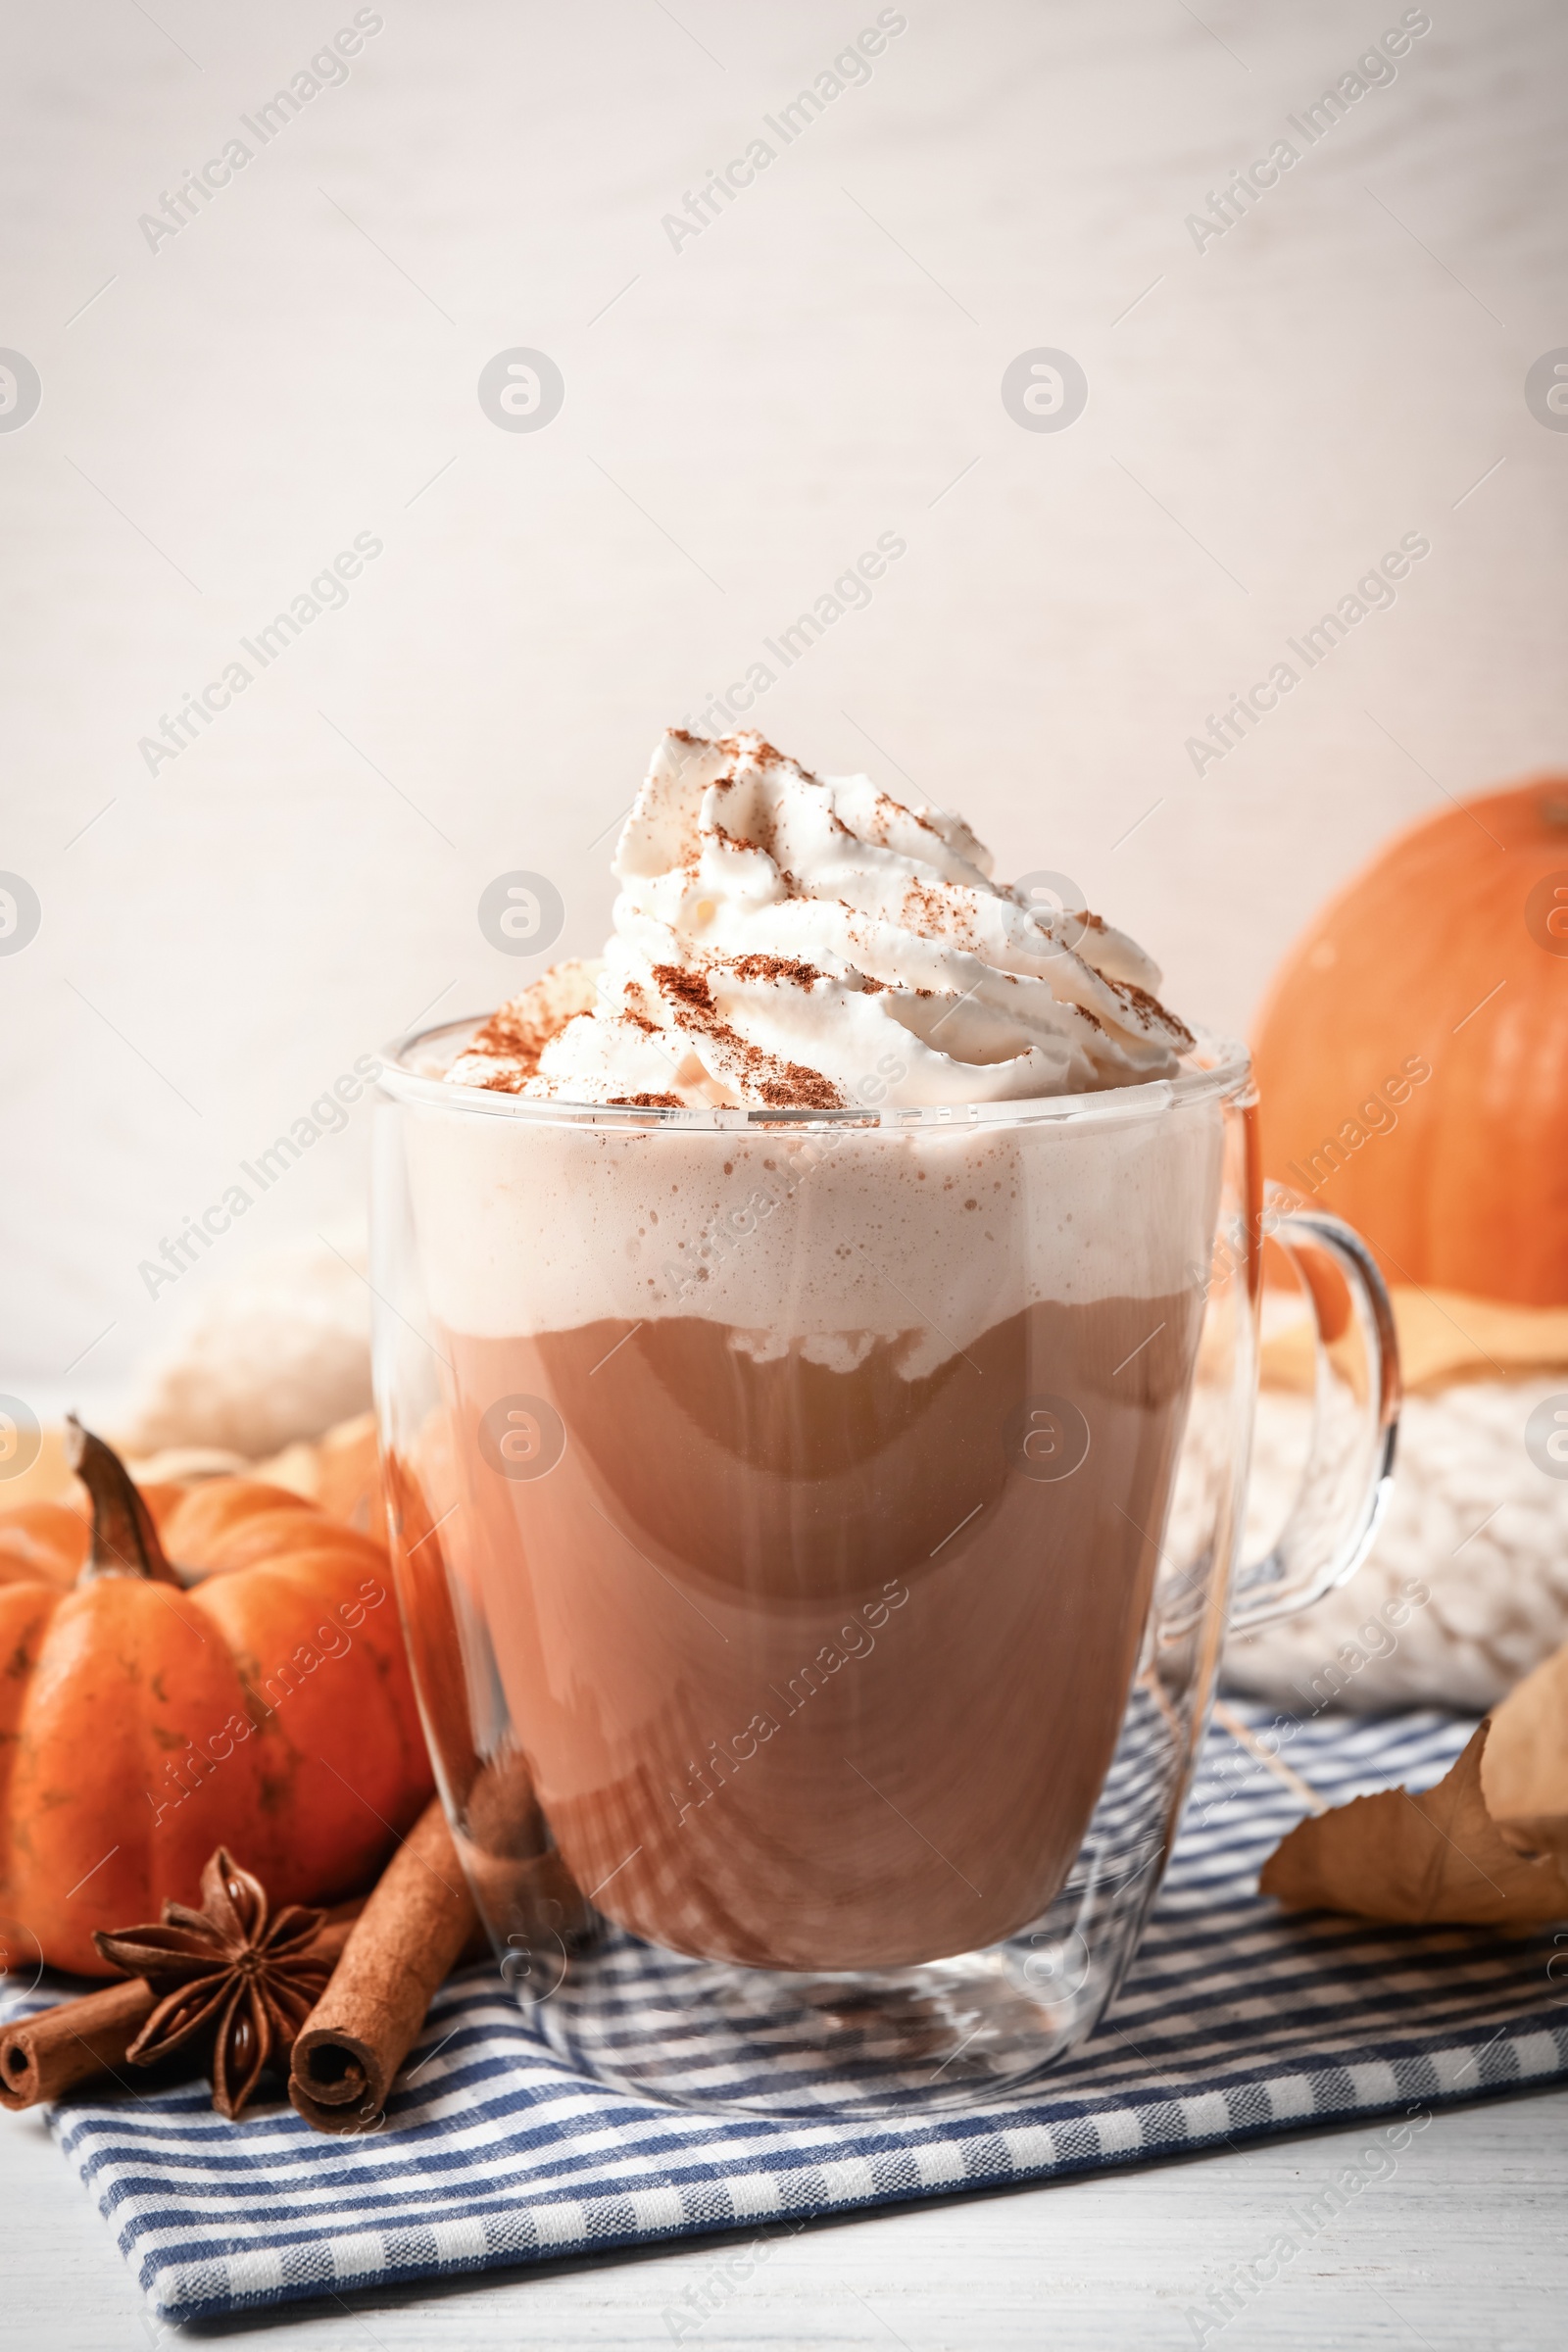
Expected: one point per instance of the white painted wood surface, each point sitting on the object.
(1465, 2247)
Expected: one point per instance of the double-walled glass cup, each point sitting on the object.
(816, 1535)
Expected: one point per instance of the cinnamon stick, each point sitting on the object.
(44, 2056)
(406, 1940)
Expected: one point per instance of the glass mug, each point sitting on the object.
(816, 1535)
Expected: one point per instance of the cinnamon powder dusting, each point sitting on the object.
(689, 989)
(511, 1032)
(1131, 993)
(788, 968)
(800, 1088)
(515, 1040)
(781, 1085)
(517, 1032)
(924, 909)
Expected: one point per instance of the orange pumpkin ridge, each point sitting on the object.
(1413, 1053)
(42, 1541)
(204, 1515)
(142, 1724)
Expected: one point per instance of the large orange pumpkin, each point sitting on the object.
(267, 1707)
(1413, 1056)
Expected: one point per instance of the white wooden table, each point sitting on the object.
(1464, 2246)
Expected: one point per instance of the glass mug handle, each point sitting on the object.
(1349, 1465)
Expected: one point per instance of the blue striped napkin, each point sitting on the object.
(1236, 2022)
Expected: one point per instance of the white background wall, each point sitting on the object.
(742, 417)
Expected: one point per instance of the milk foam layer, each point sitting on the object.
(826, 1241)
(788, 940)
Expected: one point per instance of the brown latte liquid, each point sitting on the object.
(817, 1668)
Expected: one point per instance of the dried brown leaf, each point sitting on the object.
(1417, 1859)
(1524, 1774)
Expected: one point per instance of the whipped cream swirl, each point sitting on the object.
(785, 940)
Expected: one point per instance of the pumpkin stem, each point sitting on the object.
(124, 1540)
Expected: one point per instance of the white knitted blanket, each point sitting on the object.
(1473, 1526)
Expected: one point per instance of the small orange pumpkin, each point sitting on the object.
(1413, 1056)
(142, 1723)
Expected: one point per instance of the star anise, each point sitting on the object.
(223, 1971)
